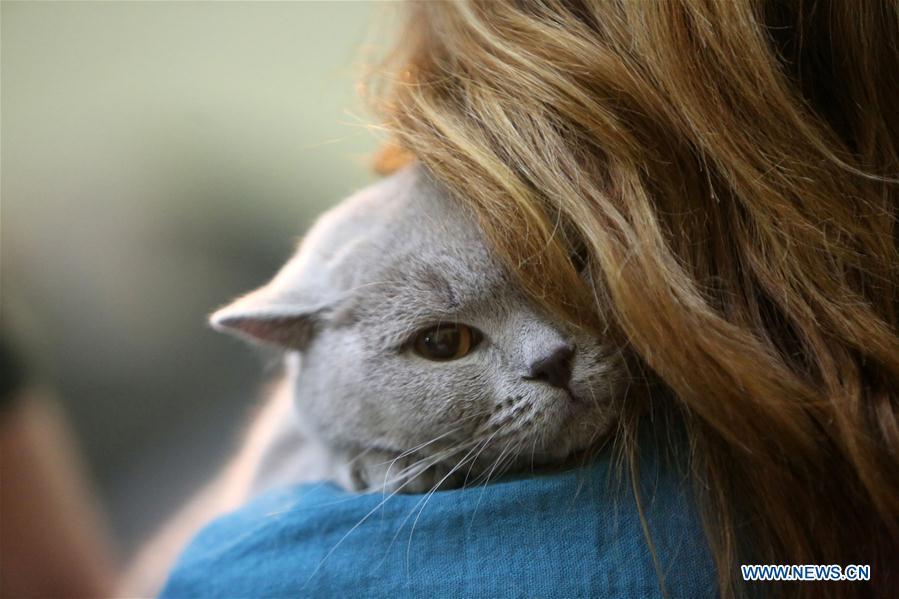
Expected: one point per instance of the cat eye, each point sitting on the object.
(446, 342)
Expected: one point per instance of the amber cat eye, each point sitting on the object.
(446, 342)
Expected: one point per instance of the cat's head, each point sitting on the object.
(404, 334)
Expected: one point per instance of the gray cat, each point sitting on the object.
(413, 362)
(413, 359)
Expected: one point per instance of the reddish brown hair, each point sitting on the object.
(727, 172)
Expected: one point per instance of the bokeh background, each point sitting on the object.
(159, 158)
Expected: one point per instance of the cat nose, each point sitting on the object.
(554, 369)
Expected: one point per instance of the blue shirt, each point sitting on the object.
(573, 534)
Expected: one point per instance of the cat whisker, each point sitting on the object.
(427, 497)
(417, 448)
(359, 456)
(425, 463)
(505, 453)
(482, 445)
(354, 527)
(490, 473)
(481, 450)
(351, 290)
(438, 438)
(409, 515)
(533, 452)
(441, 456)
(349, 532)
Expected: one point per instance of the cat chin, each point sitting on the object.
(377, 470)
(587, 427)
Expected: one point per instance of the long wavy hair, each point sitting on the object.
(714, 185)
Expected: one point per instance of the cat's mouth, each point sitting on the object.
(573, 397)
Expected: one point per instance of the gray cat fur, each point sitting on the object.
(360, 407)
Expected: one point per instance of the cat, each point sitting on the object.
(413, 362)
(413, 359)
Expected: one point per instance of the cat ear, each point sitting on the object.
(268, 317)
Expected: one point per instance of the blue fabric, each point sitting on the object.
(572, 534)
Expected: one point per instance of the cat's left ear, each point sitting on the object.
(269, 316)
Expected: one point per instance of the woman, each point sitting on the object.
(714, 185)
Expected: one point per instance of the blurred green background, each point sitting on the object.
(158, 159)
